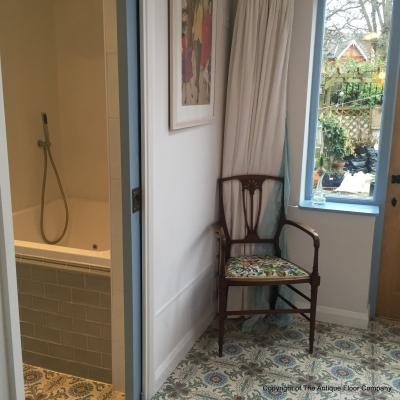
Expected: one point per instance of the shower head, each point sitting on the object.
(44, 118)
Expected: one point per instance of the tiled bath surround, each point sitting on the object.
(65, 315)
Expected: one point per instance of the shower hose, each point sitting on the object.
(45, 145)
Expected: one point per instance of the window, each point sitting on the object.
(351, 64)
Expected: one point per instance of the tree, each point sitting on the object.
(359, 19)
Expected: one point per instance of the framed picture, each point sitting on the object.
(192, 62)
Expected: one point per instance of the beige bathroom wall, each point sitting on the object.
(30, 86)
(79, 39)
(53, 61)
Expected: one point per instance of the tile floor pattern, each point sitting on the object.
(43, 384)
(363, 364)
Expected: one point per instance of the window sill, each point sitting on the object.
(330, 206)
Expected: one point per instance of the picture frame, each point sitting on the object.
(192, 37)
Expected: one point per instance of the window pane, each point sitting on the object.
(355, 50)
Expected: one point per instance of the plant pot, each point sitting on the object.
(315, 178)
(332, 181)
(338, 164)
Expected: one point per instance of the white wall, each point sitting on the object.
(182, 168)
(346, 239)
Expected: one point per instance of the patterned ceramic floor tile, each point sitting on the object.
(43, 384)
(347, 364)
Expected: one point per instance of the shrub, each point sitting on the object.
(334, 136)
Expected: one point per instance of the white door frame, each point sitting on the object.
(146, 121)
(128, 30)
(11, 373)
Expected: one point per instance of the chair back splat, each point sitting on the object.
(251, 188)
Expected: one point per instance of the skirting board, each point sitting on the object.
(180, 350)
(340, 316)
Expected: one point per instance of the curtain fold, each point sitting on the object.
(254, 134)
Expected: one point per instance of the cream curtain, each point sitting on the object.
(256, 106)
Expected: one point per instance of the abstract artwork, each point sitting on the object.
(192, 70)
(196, 51)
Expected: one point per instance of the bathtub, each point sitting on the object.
(86, 242)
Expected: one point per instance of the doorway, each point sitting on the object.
(63, 117)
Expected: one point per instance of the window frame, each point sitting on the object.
(388, 111)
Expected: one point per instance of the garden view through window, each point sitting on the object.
(353, 71)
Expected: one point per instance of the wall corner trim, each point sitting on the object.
(179, 351)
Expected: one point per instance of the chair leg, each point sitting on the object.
(274, 296)
(314, 291)
(223, 296)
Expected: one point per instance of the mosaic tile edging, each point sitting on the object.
(43, 384)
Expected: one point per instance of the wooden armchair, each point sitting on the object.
(261, 270)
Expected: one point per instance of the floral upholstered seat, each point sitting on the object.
(262, 267)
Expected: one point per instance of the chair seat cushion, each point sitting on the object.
(262, 267)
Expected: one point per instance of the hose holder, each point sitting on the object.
(43, 144)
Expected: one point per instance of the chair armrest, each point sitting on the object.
(310, 232)
(220, 233)
(305, 228)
